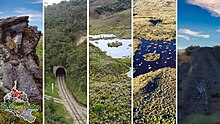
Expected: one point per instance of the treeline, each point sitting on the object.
(64, 23)
(118, 6)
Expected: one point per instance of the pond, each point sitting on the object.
(123, 51)
(115, 52)
(129, 74)
(166, 50)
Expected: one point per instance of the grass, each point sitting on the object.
(109, 87)
(144, 12)
(155, 97)
(203, 119)
(49, 79)
(118, 24)
(79, 95)
(39, 51)
(56, 113)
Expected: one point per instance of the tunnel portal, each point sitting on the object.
(59, 71)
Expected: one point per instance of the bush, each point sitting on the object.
(99, 107)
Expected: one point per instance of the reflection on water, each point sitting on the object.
(114, 52)
(167, 51)
(102, 36)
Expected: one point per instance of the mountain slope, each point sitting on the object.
(199, 82)
(110, 17)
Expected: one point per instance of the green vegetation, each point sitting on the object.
(110, 88)
(155, 20)
(190, 49)
(39, 52)
(117, 6)
(111, 17)
(49, 78)
(56, 114)
(203, 119)
(151, 57)
(114, 44)
(99, 107)
(155, 97)
(65, 23)
(9, 118)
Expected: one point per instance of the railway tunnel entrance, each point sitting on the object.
(59, 71)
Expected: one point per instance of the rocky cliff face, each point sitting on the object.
(18, 58)
(199, 83)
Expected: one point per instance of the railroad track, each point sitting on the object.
(78, 116)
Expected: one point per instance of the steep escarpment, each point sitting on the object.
(199, 83)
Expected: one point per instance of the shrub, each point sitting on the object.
(99, 107)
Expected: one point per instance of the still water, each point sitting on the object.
(167, 51)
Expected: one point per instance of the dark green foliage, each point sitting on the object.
(189, 49)
(64, 23)
(114, 44)
(55, 113)
(99, 107)
(118, 6)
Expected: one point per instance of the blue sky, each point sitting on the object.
(32, 8)
(198, 23)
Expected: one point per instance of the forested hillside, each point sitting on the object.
(65, 23)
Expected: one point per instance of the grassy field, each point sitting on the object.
(56, 113)
(110, 21)
(155, 97)
(48, 86)
(203, 119)
(110, 88)
(148, 12)
(118, 24)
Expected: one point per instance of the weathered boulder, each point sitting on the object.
(18, 58)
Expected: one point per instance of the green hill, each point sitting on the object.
(111, 17)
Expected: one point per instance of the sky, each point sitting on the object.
(198, 23)
(32, 8)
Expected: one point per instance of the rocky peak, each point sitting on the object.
(18, 58)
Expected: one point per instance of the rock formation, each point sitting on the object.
(199, 82)
(18, 58)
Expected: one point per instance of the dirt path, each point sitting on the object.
(57, 100)
(77, 112)
(80, 40)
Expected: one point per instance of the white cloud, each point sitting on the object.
(33, 14)
(213, 6)
(183, 36)
(37, 2)
(194, 33)
(218, 30)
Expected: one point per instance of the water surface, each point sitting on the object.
(167, 51)
(115, 52)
